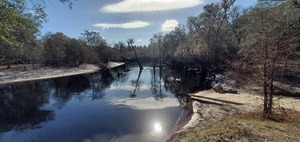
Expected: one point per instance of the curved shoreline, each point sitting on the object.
(11, 77)
(210, 107)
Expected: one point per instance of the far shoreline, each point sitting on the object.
(8, 77)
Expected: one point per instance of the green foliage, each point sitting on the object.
(122, 51)
(97, 43)
(69, 2)
(172, 41)
(18, 26)
(75, 53)
(93, 39)
(59, 50)
(10, 20)
(54, 47)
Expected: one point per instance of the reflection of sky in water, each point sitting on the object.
(129, 87)
(147, 103)
(121, 89)
(114, 117)
(155, 134)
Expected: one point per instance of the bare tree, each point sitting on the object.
(269, 44)
(130, 43)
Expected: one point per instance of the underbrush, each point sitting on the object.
(251, 127)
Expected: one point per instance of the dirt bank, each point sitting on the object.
(16, 74)
(206, 112)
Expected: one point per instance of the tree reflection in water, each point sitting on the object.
(66, 88)
(156, 84)
(136, 83)
(100, 82)
(123, 77)
(189, 82)
(20, 106)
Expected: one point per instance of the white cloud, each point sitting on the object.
(169, 25)
(149, 5)
(139, 40)
(129, 25)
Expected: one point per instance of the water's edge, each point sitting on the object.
(43, 74)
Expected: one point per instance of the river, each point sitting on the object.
(103, 106)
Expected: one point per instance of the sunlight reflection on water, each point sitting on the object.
(157, 128)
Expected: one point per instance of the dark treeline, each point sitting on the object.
(20, 42)
(259, 41)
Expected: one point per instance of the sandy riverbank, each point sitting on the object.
(210, 107)
(9, 76)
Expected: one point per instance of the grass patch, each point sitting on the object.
(251, 127)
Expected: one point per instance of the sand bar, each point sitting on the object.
(16, 76)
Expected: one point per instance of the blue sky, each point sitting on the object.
(118, 20)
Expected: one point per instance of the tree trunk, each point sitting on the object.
(133, 95)
(8, 66)
(8, 63)
(154, 65)
(271, 76)
(265, 78)
(265, 97)
(32, 64)
(270, 104)
(136, 58)
(24, 67)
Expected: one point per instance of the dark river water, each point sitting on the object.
(99, 107)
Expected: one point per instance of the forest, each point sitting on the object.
(261, 42)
